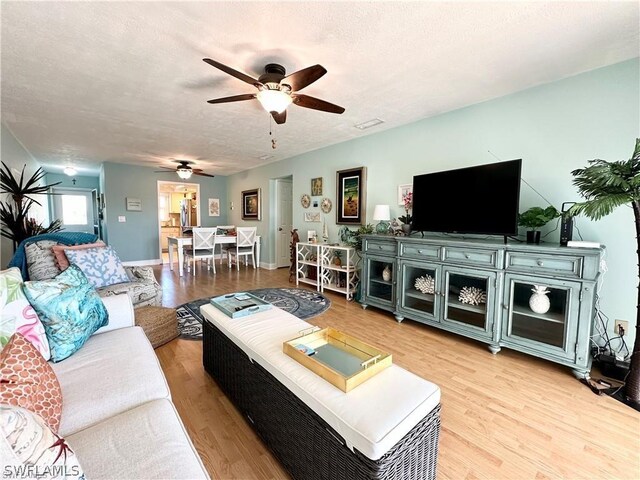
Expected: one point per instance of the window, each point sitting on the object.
(163, 207)
(74, 209)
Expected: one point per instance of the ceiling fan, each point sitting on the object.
(277, 91)
(184, 170)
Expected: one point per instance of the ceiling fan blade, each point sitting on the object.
(235, 98)
(195, 172)
(234, 73)
(280, 118)
(171, 170)
(316, 104)
(302, 78)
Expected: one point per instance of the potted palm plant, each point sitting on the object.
(14, 214)
(536, 218)
(606, 186)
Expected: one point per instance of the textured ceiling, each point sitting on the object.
(88, 82)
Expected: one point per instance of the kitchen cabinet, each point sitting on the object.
(165, 233)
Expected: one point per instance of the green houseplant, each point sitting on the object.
(14, 214)
(536, 218)
(606, 186)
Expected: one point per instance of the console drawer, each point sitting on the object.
(379, 247)
(565, 265)
(472, 256)
(409, 250)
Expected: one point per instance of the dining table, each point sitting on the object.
(187, 240)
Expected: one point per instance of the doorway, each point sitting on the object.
(283, 220)
(74, 207)
(178, 210)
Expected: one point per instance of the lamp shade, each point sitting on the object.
(70, 171)
(274, 100)
(184, 173)
(382, 213)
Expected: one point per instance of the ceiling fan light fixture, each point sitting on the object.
(274, 100)
(70, 171)
(184, 173)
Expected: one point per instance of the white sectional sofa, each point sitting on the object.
(117, 412)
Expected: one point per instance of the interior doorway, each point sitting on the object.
(178, 212)
(75, 209)
(283, 220)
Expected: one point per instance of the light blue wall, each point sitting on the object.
(82, 181)
(554, 128)
(15, 156)
(138, 238)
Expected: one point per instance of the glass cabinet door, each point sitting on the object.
(468, 298)
(381, 279)
(541, 315)
(420, 287)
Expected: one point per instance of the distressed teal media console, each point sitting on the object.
(454, 274)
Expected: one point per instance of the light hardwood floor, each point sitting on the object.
(503, 416)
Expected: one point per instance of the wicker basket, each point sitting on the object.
(160, 324)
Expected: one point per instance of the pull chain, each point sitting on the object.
(273, 140)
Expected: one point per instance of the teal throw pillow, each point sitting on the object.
(70, 310)
(101, 265)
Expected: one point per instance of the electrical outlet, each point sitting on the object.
(621, 323)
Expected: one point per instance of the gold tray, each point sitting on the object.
(342, 360)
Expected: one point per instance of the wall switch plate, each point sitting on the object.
(621, 323)
(122, 219)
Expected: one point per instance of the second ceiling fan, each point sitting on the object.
(276, 90)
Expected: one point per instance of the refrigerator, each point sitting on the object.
(188, 213)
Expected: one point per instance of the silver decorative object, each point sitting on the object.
(425, 284)
(472, 296)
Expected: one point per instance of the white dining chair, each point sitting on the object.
(202, 248)
(245, 243)
(224, 230)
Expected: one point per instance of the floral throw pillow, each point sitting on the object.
(70, 310)
(29, 448)
(16, 315)
(41, 262)
(101, 265)
(29, 381)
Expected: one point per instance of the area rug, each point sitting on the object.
(302, 303)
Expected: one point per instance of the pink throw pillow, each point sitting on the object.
(61, 258)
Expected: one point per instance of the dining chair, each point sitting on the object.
(245, 246)
(224, 230)
(202, 248)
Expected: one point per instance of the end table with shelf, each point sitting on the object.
(315, 266)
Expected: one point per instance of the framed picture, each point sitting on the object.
(403, 190)
(351, 196)
(316, 187)
(312, 217)
(214, 207)
(134, 204)
(251, 204)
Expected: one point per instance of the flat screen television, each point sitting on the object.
(483, 200)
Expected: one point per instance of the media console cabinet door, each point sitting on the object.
(380, 281)
(541, 314)
(419, 290)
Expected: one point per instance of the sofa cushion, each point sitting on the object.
(61, 259)
(70, 310)
(120, 370)
(27, 444)
(29, 382)
(138, 291)
(16, 315)
(41, 262)
(146, 442)
(101, 265)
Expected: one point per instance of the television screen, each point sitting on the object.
(483, 199)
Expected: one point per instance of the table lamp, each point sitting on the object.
(383, 215)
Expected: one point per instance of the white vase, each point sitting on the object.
(539, 302)
(386, 274)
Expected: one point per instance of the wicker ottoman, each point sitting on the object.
(160, 324)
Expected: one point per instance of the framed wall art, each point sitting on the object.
(312, 217)
(403, 190)
(351, 196)
(251, 204)
(316, 187)
(134, 204)
(214, 207)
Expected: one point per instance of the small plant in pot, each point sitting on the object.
(407, 199)
(536, 218)
(337, 258)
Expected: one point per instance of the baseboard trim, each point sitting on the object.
(268, 266)
(142, 263)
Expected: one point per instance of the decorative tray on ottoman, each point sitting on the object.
(239, 304)
(342, 360)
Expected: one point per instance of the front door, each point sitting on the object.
(284, 222)
(74, 208)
